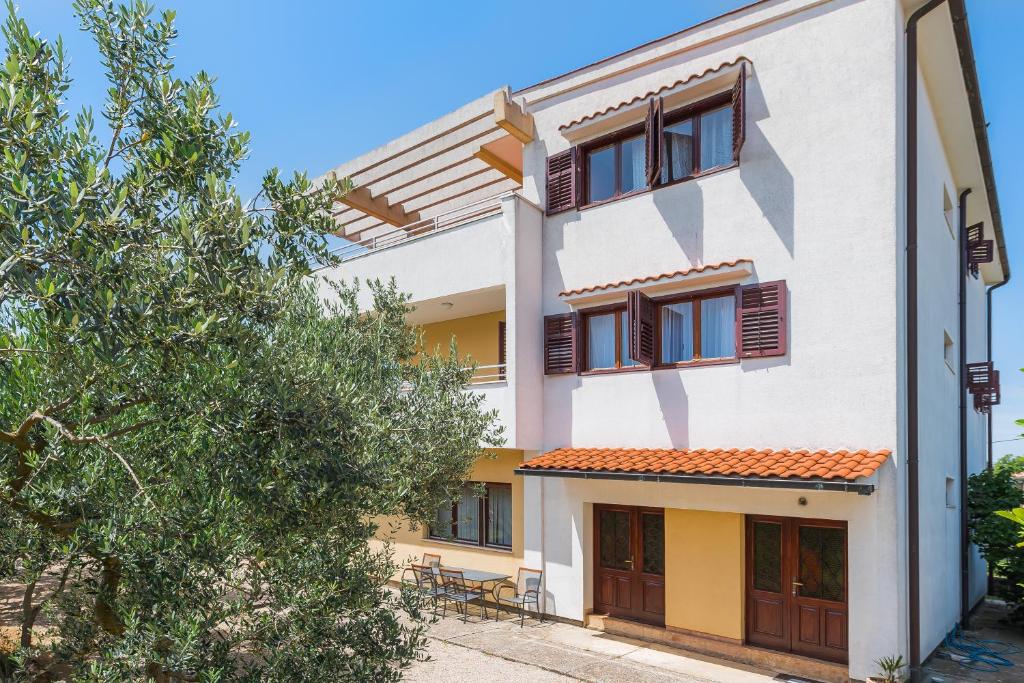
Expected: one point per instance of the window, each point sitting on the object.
(951, 496)
(694, 142)
(699, 328)
(947, 351)
(485, 521)
(607, 340)
(616, 169)
(948, 211)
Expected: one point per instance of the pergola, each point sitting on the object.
(470, 154)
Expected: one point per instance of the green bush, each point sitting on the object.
(997, 537)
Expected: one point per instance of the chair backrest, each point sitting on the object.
(528, 580)
(424, 576)
(432, 560)
(453, 578)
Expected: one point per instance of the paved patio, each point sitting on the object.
(500, 651)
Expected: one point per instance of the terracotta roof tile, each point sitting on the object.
(765, 463)
(652, 93)
(654, 278)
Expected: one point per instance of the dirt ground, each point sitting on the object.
(989, 623)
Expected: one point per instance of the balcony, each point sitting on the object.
(473, 273)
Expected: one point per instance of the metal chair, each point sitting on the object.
(525, 590)
(456, 590)
(424, 582)
(432, 560)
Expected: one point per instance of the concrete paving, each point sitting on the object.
(502, 651)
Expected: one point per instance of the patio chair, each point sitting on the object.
(432, 560)
(524, 591)
(424, 582)
(456, 590)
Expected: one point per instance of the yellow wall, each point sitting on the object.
(476, 335)
(704, 556)
(409, 544)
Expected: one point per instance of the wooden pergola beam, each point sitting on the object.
(511, 117)
(361, 199)
(497, 163)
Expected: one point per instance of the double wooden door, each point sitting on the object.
(797, 586)
(629, 562)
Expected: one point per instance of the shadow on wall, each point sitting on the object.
(762, 171)
(674, 404)
(682, 208)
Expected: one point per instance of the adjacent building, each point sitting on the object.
(683, 273)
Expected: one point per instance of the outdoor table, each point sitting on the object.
(477, 576)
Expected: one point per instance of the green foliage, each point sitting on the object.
(990, 492)
(1010, 463)
(193, 445)
(1016, 516)
(892, 668)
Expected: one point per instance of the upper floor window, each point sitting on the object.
(665, 148)
(607, 339)
(697, 328)
(615, 168)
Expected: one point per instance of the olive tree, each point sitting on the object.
(197, 432)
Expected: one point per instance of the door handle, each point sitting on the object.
(629, 562)
(795, 589)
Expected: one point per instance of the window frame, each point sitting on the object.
(694, 297)
(697, 361)
(585, 316)
(483, 517)
(616, 138)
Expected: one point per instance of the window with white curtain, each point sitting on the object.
(632, 162)
(716, 138)
(714, 316)
(607, 340)
(477, 520)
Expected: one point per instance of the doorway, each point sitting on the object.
(629, 562)
(796, 586)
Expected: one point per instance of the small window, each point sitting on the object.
(698, 328)
(473, 520)
(951, 496)
(947, 351)
(696, 142)
(678, 154)
(949, 211)
(616, 169)
(607, 340)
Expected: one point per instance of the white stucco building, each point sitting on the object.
(688, 274)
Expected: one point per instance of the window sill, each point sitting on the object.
(672, 366)
(468, 546)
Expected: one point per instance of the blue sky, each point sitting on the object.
(315, 83)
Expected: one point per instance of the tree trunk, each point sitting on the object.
(28, 615)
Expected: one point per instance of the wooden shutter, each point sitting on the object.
(640, 311)
(761, 320)
(739, 125)
(560, 344)
(979, 250)
(562, 181)
(653, 132)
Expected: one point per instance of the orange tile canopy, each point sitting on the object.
(650, 279)
(766, 463)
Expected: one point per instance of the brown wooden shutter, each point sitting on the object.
(653, 132)
(979, 250)
(562, 181)
(739, 124)
(560, 344)
(640, 311)
(761, 320)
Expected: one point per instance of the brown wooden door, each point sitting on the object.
(629, 562)
(797, 586)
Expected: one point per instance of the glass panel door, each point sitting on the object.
(652, 539)
(822, 563)
(615, 540)
(768, 557)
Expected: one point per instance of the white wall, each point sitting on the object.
(938, 264)
(812, 203)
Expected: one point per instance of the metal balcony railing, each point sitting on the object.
(485, 374)
(428, 226)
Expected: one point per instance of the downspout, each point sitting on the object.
(988, 323)
(913, 510)
(961, 377)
